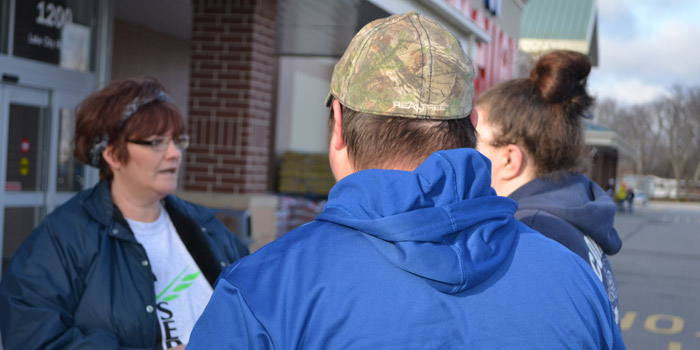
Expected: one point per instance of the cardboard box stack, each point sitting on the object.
(304, 183)
(305, 174)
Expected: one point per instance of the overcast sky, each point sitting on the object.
(645, 47)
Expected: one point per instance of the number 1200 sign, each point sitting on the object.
(53, 16)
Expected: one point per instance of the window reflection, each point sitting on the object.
(70, 175)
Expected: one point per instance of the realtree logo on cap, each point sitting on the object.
(420, 107)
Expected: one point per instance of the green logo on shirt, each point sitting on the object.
(180, 282)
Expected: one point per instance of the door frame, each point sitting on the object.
(48, 198)
(10, 94)
(65, 89)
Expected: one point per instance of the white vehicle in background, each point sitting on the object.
(640, 198)
(651, 187)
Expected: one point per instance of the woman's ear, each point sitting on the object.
(109, 155)
(514, 162)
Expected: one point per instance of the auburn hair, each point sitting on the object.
(101, 113)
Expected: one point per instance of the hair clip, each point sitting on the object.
(95, 153)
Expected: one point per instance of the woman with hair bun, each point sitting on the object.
(125, 264)
(531, 130)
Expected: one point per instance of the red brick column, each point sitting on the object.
(231, 96)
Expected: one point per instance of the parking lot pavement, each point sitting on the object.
(658, 276)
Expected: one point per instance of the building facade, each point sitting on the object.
(250, 76)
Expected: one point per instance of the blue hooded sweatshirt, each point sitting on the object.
(428, 259)
(574, 211)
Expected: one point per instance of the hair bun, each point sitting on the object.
(561, 75)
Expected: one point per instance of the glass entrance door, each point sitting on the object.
(24, 163)
(37, 170)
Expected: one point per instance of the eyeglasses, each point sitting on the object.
(162, 143)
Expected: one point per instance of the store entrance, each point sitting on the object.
(37, 170)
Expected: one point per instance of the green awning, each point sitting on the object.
(560, 24)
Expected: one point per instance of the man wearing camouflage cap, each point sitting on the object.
(413, 249)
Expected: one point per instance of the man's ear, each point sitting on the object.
(337, 141)
(110, 157)
(474, 116)
(514, 162)
(338, 150)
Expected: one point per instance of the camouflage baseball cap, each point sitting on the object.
(406, 66)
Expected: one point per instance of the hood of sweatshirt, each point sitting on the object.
(577, 200)
(442, 222)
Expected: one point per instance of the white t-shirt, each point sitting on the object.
(182, 291)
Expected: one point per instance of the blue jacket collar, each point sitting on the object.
(575, 199)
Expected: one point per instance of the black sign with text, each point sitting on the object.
(38, 27)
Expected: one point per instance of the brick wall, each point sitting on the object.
(162, 56)
(231, 96)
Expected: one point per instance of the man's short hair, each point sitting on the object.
(399, 143)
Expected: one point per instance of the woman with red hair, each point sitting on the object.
(124, 264)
